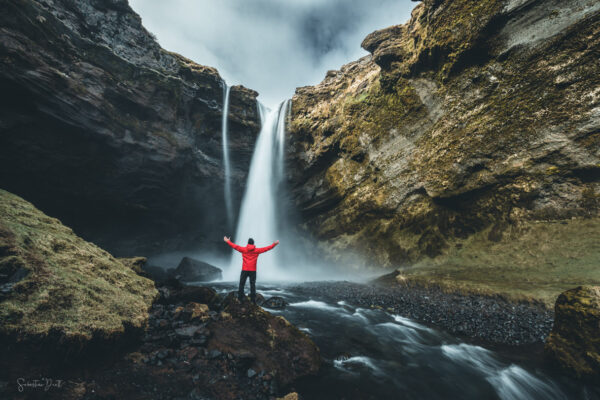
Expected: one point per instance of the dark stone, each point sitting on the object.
(188, 331)
(275, 302)
(158, 274)
(8, 282)
(190, 270)
(175, 292)
(214, 354)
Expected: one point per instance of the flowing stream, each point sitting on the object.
(227, 172)
(372, 354)
(259, 209)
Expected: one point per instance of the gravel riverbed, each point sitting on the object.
(482, 318)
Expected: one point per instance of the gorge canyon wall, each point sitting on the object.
(473, 123)
(117, 137)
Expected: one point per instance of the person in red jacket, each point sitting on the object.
(249, 255)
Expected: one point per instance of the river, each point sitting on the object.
(373, 354)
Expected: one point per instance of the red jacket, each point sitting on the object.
(250, 254)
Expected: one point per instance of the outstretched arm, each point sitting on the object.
(233, 245)
(263, 249)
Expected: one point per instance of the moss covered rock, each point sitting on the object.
(469, 121)
(60, 288)
(575, 338)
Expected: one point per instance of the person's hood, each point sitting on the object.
(251, 247)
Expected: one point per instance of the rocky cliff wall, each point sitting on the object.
(472, 120)
(104, 129)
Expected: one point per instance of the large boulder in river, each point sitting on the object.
(575, 338)
(190, 270)
(117, 137)
(61, 292)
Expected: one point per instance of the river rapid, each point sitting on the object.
(373, 354)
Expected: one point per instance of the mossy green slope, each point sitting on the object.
(73, 289)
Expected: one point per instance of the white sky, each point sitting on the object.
(271, 46)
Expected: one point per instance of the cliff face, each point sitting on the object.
(103, 128)
(472, 123)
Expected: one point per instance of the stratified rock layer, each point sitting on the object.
(575, 338)
(473, 120)
(104, 129)
(61, 292)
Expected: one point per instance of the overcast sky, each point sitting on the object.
(271, 46)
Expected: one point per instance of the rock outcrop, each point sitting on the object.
(62, 293)
(197, 346)
(270, 342)
(190, 270)
(117, 137)
(474, 120)
(574, 342)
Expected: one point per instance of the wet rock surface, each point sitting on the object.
(223, 350)
(117, 137)
(191, 270)
(275, 302)
(480, 318)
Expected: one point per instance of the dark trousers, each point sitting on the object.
(244, 275)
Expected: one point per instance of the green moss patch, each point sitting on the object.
(73, 289)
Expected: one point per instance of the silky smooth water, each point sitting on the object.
(226, 164)
(372, 354)
(259, 209)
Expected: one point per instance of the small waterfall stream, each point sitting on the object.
(227, 185)
(259, 209)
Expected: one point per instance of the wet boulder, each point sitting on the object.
(574, 342)
(174, 292)
(275, 302)
(190, 270)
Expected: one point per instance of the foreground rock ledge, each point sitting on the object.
(59, 290)
(574, 342)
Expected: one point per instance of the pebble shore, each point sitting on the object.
(481, 318)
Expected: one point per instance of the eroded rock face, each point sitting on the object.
(66, 294)
(119, 138)
(468, 119)
(575, 338)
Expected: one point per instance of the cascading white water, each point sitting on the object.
(258, 214)
(227, 184)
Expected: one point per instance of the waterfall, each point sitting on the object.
(227, 184)
(259, 210)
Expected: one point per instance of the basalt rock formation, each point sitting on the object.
(104, 129)
(471, 125)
